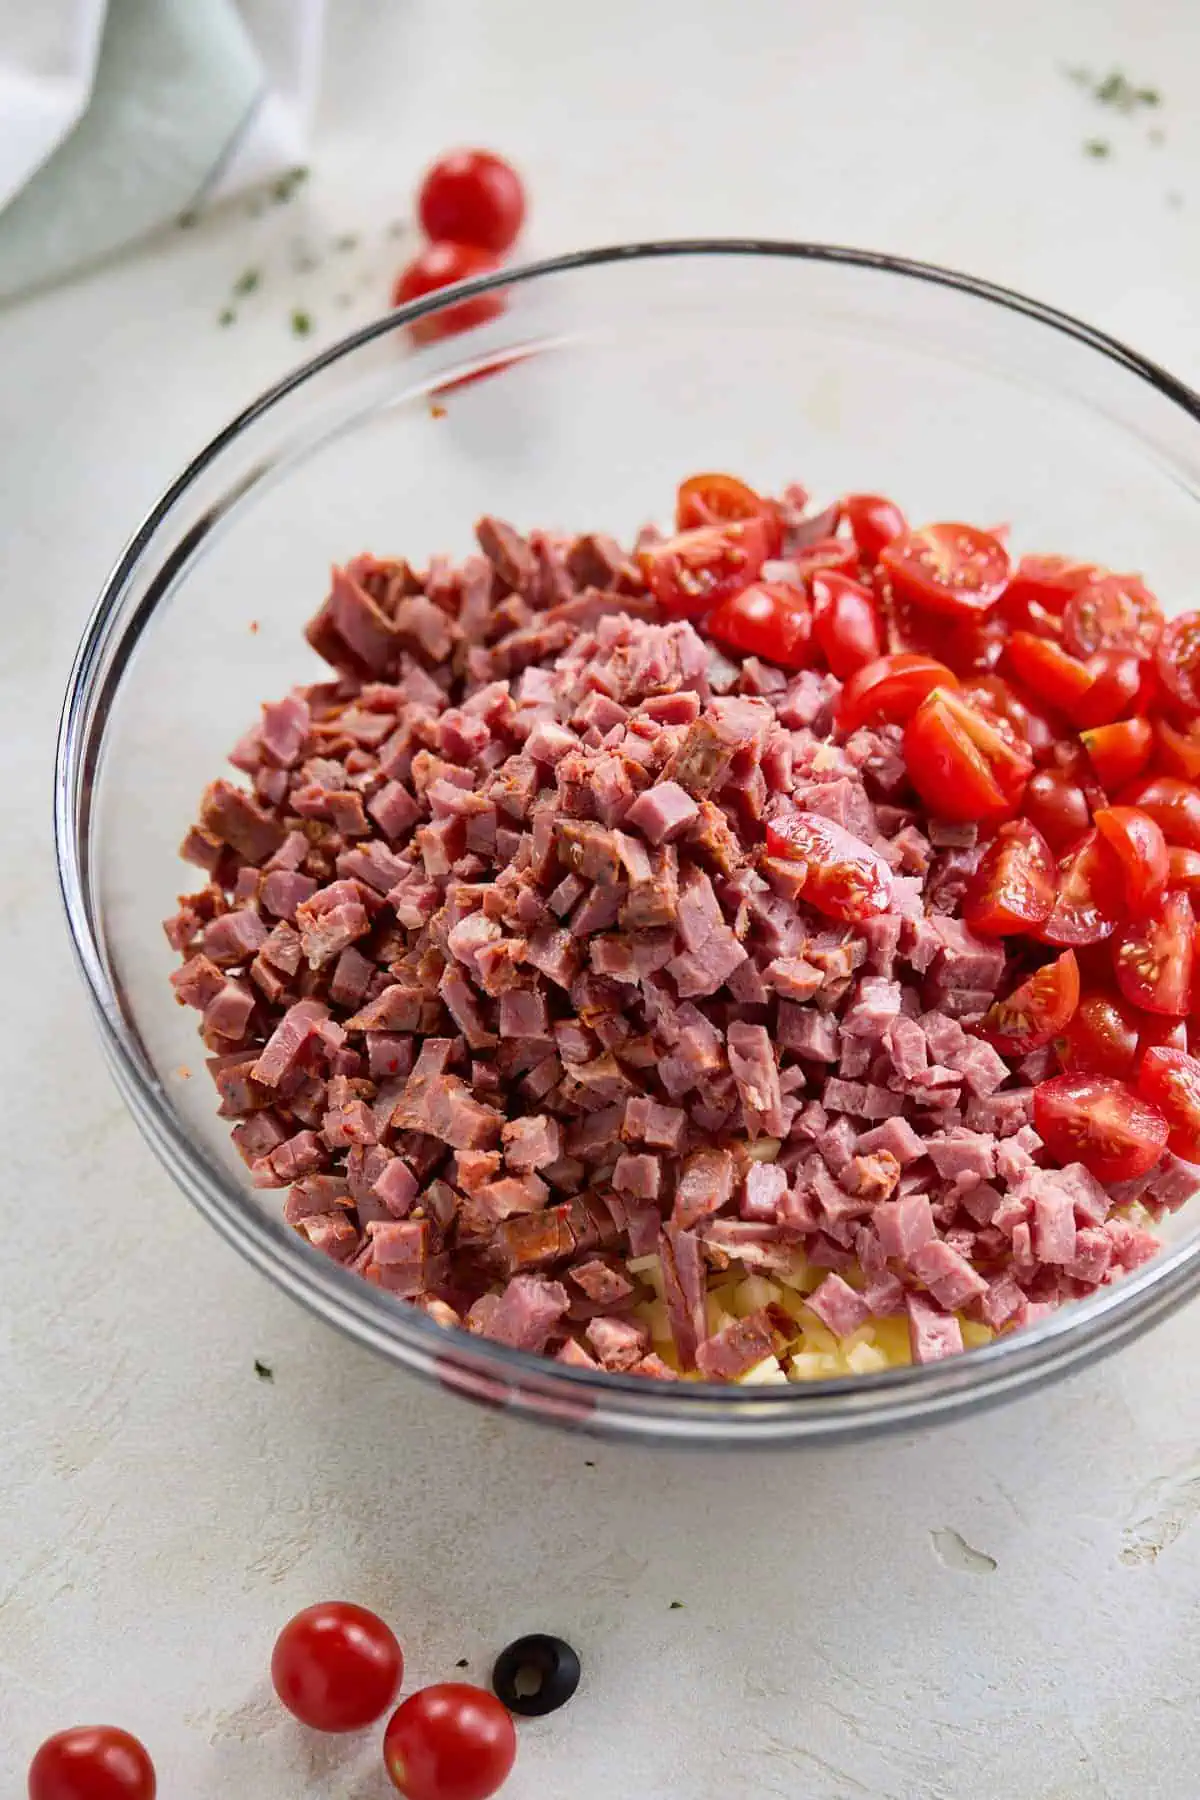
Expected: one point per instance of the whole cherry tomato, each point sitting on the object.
(472, 197)
(92, 1762)
(436, 267)
(1056, 803)
(449, 1742)
(336, 1666)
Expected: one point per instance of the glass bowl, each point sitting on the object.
(607, 377)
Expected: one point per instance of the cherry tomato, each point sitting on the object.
(964, 764)
(1013, 889)
(1183, 868)
(1178, 661)
(1142, 849)
(722, 500)
(450, 1742)
(472, 197)
(1178, 751)
(824, 556)
(695, 570)
(1039, 589)
(889, 691)
(768, 619)
(1115, 688)
(1101, 1123)
(1170, 1080)
(1056, 803)
(1102, 1038)
(1037, 1012)
(1158, 1032)
(92, 1762)
(845, 878)
(436, 267)
(1090, 894)
(1044, 666)
(874, 523)
(336, 1666)
(1173, 804)
(845, 622)
(971, 646)
(953, 569)
(995, 695)
(1112, 612)
(1152, 958)
(1120, 752)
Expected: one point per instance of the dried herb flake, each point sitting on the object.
(263, 1370)
(1097, 147)
(247, 281)
(301, 323)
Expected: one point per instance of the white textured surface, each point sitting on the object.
(1007, 1608)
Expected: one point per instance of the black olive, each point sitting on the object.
(536, 1675)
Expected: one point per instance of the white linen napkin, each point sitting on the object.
(116, 116)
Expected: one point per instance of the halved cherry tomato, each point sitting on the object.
(824, 556)
(1039, 589)
(1152, 958)
(889, 691)
(1120, 752)
(1178, 661)
(995, 695)
(1102, 1038)
(1112, 612)
(1056, 803)
(695, 570)
(972, 646)
(436, 267)
(845, 878)
(1044, 666)
(845, 622)
(1173, 804)
(1037, 1012)
(874, 523)
(963, 763)
(1115, 690)
(1178, 750)
(1090, 897)
(768, 619)
(1183, 868)
(1012, 890)
(1159, 1032)
(953, 569)
(722, 500)
(1170, 1080)
(1101, 1123)
(1142, 849)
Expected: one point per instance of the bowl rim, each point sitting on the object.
(844, 1405)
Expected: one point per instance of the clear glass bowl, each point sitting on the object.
(610, 375)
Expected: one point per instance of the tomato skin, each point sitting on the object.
(874, 522)
(1183, 868)
(1112, 612)
(1178, 662)
(434, 268)
(472, 197)
(1119, 753)
(964, 765)
(1171, 803)
(696, 570)
(1177, 752)
(889, 691)
(845, 622)
(449, 1742)
(1037, 1012)
(767, 619)
(1090, 894)
(1116, 688)
(1142, 848)
(1101, 1123)
(1102, 1038)
(1046, 667)
(950, 568)
(1012, 890)
(1153, 958)
(336, 1666)
(722, 500)
(845, 879)
(92, 1762)
(1056, 803)
(1039, 590)
(1170, 1080)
